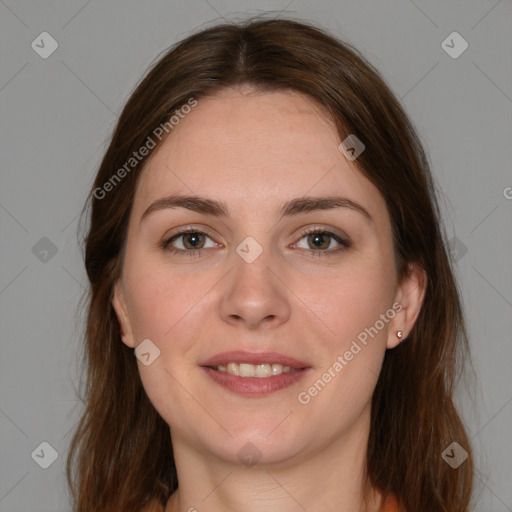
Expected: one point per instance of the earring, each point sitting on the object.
(399, 334)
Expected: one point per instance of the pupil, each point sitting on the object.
(193, 239)
(318, 239)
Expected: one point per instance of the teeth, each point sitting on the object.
(232, 368)
(277, 369)
(263, 370)
(252, 370)
(247, 370)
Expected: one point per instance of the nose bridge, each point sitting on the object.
(253, 294)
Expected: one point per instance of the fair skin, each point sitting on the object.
(254, 152)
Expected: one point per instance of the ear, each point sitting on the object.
(408, 301)
(119, 305)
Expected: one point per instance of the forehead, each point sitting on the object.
(254, 149)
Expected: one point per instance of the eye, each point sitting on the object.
(191, 241)
(188, 241)
(320, 241)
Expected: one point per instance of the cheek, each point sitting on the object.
(169, 309)
(354, 343)
(165, 304)
(357, 307)
(350, 300)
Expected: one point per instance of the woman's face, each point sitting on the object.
(255, 294)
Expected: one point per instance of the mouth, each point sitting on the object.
(254, 374)
(262, 370)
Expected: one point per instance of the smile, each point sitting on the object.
(254, 374)
(252, 370)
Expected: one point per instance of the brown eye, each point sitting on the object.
(193, 240)
(189, 241)
(321, 242)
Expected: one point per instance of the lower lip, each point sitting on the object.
(254, 386)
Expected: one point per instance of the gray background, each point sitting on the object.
(57, 115)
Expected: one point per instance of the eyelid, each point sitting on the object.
(192, 229)
(341, 239)
(335, 232)
(186, 230)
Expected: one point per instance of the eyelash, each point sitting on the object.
(316, 254)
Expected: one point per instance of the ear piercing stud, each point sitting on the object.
(399, 334)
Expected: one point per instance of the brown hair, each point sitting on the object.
(121, 454)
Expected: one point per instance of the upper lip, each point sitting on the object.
(239, 356)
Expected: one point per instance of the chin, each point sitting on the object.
(260, 441)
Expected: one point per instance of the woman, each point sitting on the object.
(265, 237)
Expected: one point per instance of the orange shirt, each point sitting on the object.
(390, 504)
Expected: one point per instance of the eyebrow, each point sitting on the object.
(290, 208)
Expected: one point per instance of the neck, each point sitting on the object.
(308, 481)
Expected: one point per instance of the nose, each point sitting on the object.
(255, 295)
